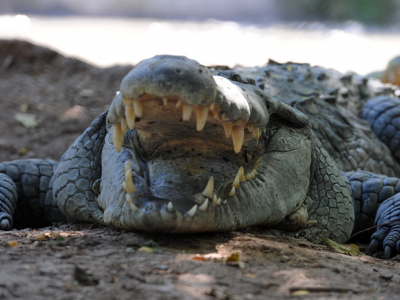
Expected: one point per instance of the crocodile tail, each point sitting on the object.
(77, 172)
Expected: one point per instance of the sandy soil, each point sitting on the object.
(59, 97)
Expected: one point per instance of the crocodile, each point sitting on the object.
(289, 148)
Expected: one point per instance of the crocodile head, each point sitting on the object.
(189, 152)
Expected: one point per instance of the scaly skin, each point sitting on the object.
(181, 150)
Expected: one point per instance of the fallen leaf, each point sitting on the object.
(241, 265)
(28, 120)
(24, 151)
(146, 249)
(251, 275)
(300, 293)
(350, 249)
(114, 280)
(13, 243)
(234, 257)
(200, 258)
(47, 235)
(234, 260)
(41, 236)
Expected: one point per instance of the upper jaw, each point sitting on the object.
(149, 89)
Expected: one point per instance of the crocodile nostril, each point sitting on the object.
(178, 71)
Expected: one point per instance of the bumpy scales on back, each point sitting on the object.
(296, 149)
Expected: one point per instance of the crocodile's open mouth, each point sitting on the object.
(187, 151)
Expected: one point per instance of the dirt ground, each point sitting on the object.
(47, 100)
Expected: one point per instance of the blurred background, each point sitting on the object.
(348, 35)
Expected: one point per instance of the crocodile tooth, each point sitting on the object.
(215, 200)
(201, 115)
(232, 192)
(192, 211)
(127, 166)
(241, 174)
(130, 186)
(219, 201)
(235, 183)
(138, 105)
(187, 112)
(130, 116)
(132, 205)
(253, 175)
(165, 101)
(170, 206)
(208, 191)
(257, 132)
(255, 172)
(203, 207)
(212, 106)
(178, 103)
(124, 125)
(249, 156)
(124, 186)
(237, 138)
(118, 137)
(250, 127)
(215, 112)
(248, 176)
(227, 128)
(225, 201)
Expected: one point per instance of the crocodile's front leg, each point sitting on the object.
(78, 174)
(376, 200)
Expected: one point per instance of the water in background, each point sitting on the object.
(362, 38)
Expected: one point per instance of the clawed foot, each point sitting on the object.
(387, 236)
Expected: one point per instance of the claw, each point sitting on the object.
(5, 225)
(374, 246)
(388, 252)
